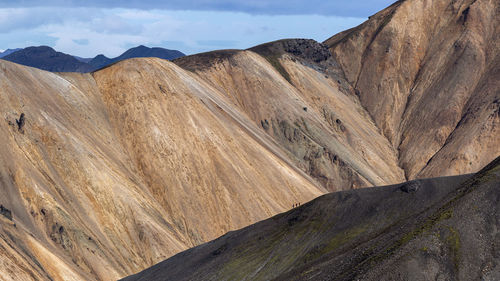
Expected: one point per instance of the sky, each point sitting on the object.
(110, 27)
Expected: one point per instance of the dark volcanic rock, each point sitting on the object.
(302, 48)
(448, 230)
(5, 212)
(410, 187)
(204, 60)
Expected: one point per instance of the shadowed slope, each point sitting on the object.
(418, 230)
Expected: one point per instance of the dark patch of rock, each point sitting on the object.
(5, 212)
(410, 187)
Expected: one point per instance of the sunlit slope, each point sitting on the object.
(322, 126)
(106, 178)
(427, 72)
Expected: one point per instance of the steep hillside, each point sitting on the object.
(304, 107)
(442, 228)
(427, 72)
(114, 172)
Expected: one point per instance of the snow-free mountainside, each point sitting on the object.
(105, 174)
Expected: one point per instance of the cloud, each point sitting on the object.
(219, 43)
(26, 18)
(81, 41)
(356, 8)
(86, 32)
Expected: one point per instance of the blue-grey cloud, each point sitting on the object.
(81, 41)
(218, 43)
(26, 18)
(351, 8)
(87, 31)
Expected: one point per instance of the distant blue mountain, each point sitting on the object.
(8, 52)
(141, 51)
(46, 58)
(85, 60)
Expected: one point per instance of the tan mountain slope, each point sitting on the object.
(107, 178)
(114, 171)
(323, 127)
(427, 72)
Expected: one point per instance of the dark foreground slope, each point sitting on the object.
(444, 228)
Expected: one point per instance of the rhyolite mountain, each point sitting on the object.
(430, 229)
(46, 58)
(110, 172)
(8, 52)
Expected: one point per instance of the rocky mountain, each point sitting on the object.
(46, 58)
(8, 52)
(420, 230)
(104, 174)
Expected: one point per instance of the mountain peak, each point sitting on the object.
(46, 58)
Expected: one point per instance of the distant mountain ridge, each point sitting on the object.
(141, 51)
(46, 58)
(8, 52)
